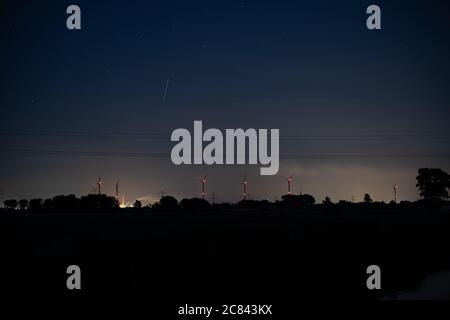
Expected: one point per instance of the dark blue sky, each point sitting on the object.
(309, 68)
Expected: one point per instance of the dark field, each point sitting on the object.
(316, 252)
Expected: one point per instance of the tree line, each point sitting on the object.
(433, 185)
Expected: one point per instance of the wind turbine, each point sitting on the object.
(395, 187)
(99, 185)
(203, 180)
(289, 180)
(244, 184)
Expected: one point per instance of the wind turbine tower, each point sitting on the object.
(244, 184)
(99, 185)
(203, 187)
(289, 180)
(395, 192)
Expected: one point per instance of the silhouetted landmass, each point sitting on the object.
(227, 251)
(293, 248)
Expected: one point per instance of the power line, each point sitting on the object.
(159, 135)
(122, 154)
(84, 153)
(369, 137)
(364, 156)
(85, 134)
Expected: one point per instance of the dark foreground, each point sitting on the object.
(313, 253)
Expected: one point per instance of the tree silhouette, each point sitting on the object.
(433, 184)
(23, 204)
(167, 203)
(35, 204)
(98, 202)
(292, 200)
(10, 204)
(64, 203)
(194, 204)
(254, 204)
(137, 204)
(367, 198)
(47, 205)
(307, 199)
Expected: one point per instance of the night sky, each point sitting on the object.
(310, 68)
